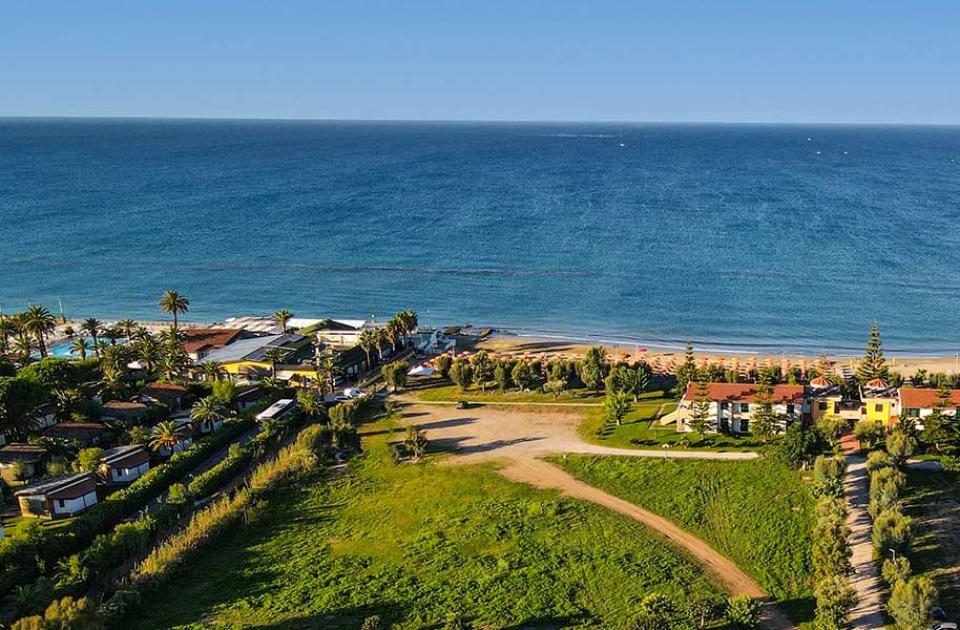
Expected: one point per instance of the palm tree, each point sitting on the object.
(212, 370)
(379, 341)
(274, 356)
(366, 341)
(309, 404)
(141, 333)
(165, 434)
(330, 367)
(81, 346)
(283, 316)
(174, 303)
(92, 326)
(8, 328)
(173, 363)
(111, 334)
(148, 349)
(127, 326)
(24, 349)
(39, 322)
(207, 409)
(392, 332)
(111, 385)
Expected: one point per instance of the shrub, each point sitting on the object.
(800, 446)
(885, 486)
(828, 475)
(88, 459)
(900, 447)
(442, 365)
(877, 460)
(891, 530)
(895, 570)
(834, 597)
(211, 480)
(461, 373)
(743, 613)
(911, 601)
(868, 433)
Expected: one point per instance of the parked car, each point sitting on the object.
(354, 392)
(462, 404)
(944, 625)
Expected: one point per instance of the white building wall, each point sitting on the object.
(72, 506)
(126, 475)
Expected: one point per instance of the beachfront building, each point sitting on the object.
(58, 497)
(732, 405)
(879, 402)
(916, 403)
(25, 459)
(199, 342)
(341, 332)
(124, 464)
(248, 360)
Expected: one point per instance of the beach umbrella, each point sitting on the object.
(803, 368)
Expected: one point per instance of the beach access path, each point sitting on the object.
(866, 615)
(520, 438)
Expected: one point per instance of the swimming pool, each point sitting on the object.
(65, 351)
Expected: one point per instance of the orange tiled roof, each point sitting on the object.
(820, 381)
(917, 398)
(196, 339)
(877, 383)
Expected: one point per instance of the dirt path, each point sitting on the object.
(866, 614)
(521, 438)
(540, 474)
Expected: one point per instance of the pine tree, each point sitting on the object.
(873, 365)
(700, 416)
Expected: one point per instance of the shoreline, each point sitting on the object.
(505, 340)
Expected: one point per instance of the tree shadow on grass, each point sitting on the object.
(346, 618)
(799, 610)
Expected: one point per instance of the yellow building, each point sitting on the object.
(879, 403)
(249, 359)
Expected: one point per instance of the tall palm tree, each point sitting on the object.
(366, 341)
(127, 326)
(81, 346)
(8, 328)
(379, 341)
(40, 323)
(148, 349)
(282, 317)
(24, 348)
(165, 434)
(174, 303)
(274, 356)
(207, 409)
(92, 327)
(309, 404)
(330, 368)
(392, 332)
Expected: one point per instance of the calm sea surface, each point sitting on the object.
(774, 237)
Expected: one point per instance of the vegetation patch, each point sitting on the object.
(416, 542)
(758, 513)
(932, 498)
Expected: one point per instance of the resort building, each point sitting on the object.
(124, 464)
(732, 405)
(248, 396)
(62, 496)
(248, 359)
(879, 402)
(341, 332)
(125, 413)
(26, 458)
(917, 404)
(86, 434)
(199, 342)
(170, 395)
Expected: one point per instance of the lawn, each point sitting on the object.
(639, 430)
(415, 542)
(758, 513)
(933, 499)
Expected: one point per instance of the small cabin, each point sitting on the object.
(124, 412)
(86, 434)
(124, 464)
(59, 497)
(169, 394)
(30, 455)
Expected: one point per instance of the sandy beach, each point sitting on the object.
(905, 365)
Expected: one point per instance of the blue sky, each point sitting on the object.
(757, 61)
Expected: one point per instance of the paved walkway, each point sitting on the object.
(866, 615)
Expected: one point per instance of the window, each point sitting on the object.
(724, 406)
(790, 409)
(913, 412)
(878, 407)
(744, 407)
(61, 503)
(744, 426)
(822, 406)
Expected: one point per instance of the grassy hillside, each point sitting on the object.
(758, 513)
(415, 542)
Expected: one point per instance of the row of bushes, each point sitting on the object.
(303, 455)
(911, 598)
(831, 548)
(24, 557)
(207, 482)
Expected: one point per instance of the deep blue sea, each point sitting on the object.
(772, 237)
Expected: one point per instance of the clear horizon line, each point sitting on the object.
(478, 121)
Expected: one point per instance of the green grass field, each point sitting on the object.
(415, 542)
(758, 513)
(933, 499)
(433, 389)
